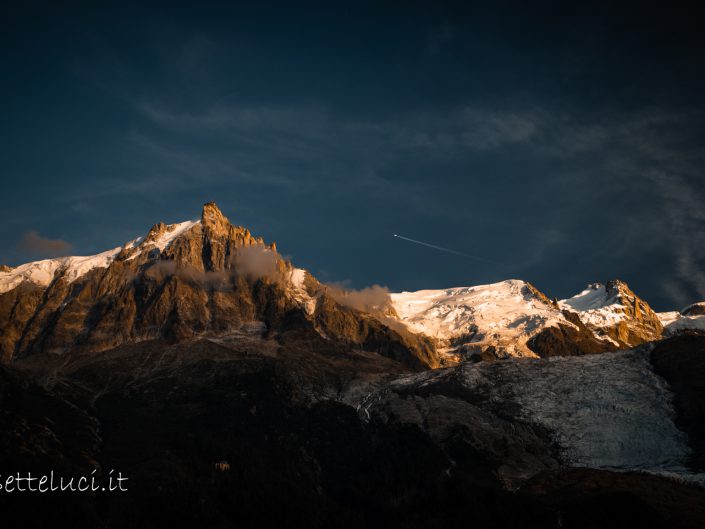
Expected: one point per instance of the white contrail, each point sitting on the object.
(448, 250)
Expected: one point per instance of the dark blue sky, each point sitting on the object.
(565, 143)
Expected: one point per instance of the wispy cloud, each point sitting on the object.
(35, 245)
(608, 154)
(574, 183)
(684, 213)
(265, 136)
(375, 298)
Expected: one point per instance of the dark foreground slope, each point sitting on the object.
(298, 451)
(165, 415)
(681, 361)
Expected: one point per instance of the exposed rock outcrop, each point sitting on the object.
(696, 309)
(612, 310)
(17, 308)
(568, 340)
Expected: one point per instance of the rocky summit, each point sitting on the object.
(233, 389)
(181, 282)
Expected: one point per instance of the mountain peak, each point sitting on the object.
(483, 321)
(614, 310)
(617, 286)
(155, 232)
(212, 217)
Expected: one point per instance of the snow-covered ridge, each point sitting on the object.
(674, 322)
(596, 306)
(171, 233)
(690, 318)
(43, 272)
(614, 312)
(504, 315)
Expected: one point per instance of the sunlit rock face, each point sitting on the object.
(182, 281)
(615, 312)
(155, 286)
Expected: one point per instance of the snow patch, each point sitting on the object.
(667, 318)
(297, 278)
(298, 275)
(675, 322)
(596, 306)
(172, 232)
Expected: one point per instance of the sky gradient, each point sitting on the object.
(563, 144)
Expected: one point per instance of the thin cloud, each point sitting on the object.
(253, 262)
(34, 244)
(375, 299)
(686, 218)
(591, 165)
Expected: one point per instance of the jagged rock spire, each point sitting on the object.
(155, 232)
(614, 310)
(212, 217)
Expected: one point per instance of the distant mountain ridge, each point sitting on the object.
(208, 277)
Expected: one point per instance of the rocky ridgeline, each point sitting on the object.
(640, 323)
(696, 309)
(212, 279)
(622, 321)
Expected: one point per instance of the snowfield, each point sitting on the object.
(595, 306)
(504, 315)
